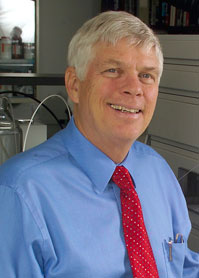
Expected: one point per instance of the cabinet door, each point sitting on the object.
(184, 48)
(181, 78)
(176, 118)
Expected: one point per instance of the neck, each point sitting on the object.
(115, 148)
(116, 153)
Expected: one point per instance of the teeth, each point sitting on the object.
(124, 109)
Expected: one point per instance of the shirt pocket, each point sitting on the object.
(174, 254)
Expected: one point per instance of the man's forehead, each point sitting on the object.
(122, 46)
(119, 56)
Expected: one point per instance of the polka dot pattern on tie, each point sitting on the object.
(139, 249)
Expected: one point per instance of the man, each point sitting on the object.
(63, 211)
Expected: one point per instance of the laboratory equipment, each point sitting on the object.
(10, 132)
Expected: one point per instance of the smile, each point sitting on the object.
(124, 109)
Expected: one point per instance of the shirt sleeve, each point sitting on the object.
(20, 238)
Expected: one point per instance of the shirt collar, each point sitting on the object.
(128, 161)
(96, 165)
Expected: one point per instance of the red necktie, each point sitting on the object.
(140, 253)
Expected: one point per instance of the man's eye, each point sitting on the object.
(112, 70)
(147, 78)
(145, 75)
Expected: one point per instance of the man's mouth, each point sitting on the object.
(124, 109)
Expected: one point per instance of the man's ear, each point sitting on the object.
(72, 84)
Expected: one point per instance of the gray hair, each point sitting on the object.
(110, 27)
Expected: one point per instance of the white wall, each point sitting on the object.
(58, 21)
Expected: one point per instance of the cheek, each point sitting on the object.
(85, 93)
(101, 92)
(90, 99)
(151, 97)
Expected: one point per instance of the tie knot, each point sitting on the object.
(122, 178)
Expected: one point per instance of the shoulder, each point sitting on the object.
(145, 150)
(150, 159)
(155, 169)
(33, 160)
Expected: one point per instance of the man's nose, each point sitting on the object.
(132, 85)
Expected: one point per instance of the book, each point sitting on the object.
(172, 21)
(185, 19)
(165, 13)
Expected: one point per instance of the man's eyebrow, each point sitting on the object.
(155, 70)
(112, 62)
(151, 68)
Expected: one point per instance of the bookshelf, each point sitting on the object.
(174, 17)
(119, 5)
(164, 16)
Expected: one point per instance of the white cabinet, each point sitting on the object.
(181, 49)
(180, 77)
(176, 119)
(174, 130)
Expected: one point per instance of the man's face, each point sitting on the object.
(116, 100)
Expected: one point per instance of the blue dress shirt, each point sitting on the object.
(60, 214)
